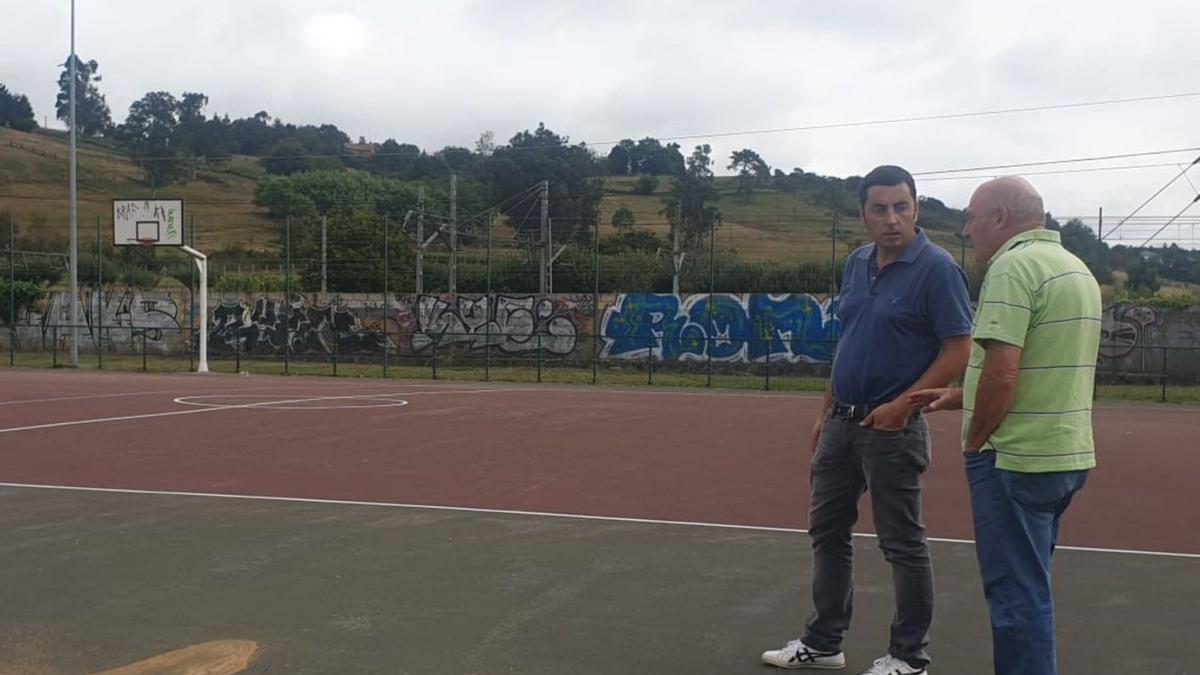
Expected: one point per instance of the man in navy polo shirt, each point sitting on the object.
(906, 326)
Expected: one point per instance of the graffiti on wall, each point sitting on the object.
(127, 316)
(270, 326)
(754, 327)
(1124, 328)
(510, 323)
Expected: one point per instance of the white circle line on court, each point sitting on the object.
(195, 411)
(544, 514)
(379, 401)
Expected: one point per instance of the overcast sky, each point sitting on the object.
(439, 73)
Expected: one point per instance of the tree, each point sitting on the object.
(149, 136)
(92, 117)
(645, 185)
(688, 209)
(619, 162)
(575, 183)
(623, 218)
(15, 111)
(286, 157)
(486, 144)
(752, 170)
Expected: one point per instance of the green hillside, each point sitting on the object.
(770, 226)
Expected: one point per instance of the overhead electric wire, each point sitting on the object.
(1189, 205)
(1151, 197)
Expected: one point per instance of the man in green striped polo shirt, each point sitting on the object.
(1027, 401)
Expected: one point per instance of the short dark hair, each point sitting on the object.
(886, 175)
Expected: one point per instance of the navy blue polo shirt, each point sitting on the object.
(894, 320)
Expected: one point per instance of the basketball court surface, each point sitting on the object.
(314, 525)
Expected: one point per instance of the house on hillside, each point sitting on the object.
(360, 149)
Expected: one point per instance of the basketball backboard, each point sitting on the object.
(147, 222)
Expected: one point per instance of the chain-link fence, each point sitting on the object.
(611, 316)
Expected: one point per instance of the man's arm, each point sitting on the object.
(993, 396)
(945, 369)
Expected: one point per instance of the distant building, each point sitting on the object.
(360, 149)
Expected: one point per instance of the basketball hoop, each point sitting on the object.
(147, 242)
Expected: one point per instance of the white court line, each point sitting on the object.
(542, 514)
(261, 404)
(176, 391)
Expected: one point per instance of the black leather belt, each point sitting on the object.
(857, 412)
(851, 412)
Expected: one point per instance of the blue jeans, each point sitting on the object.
(1016, 529)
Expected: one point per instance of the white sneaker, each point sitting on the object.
(890, 665)
(796, 654)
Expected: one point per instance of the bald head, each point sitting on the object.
(999, 210)
(1020, 202)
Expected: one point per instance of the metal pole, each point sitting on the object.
(99, 340)
(453, 234)
(712, 287)
(12, 291)
(596, 302)
(74, 359)
(487, 318)
(833, 252)
(287, 293)
(324, 254)
(420, 280)
(202, 264)
(387, 241)
(1164, 375)
(1100, 236)
(192, 293)
(544, 257)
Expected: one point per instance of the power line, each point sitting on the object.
(922, 118)
(1151, 197)
(727, 134)
(1189, 205)
(1048, 162)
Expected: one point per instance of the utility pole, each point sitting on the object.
(420, 280)
(453, 234)
(1100, 236)
(544, 256)
(324, 254)
(676, 256)
(74, 210)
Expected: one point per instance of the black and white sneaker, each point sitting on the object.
(796, 654)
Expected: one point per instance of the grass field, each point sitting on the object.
(607, 374)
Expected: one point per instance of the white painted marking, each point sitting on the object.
(379, 401)
(195, 411)
(542, 514)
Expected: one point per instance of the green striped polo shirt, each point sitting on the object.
(1040, 297)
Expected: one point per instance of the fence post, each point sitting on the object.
(99, 295)
(237, 347)
(12, 292)
(487, 323)
(650, 359)
(436, 339)
(539, 357)
(1164, 375)
(143, 351)
(768, 384)
(335, 351)
(54, 346)
(287, 295)
(387, 236)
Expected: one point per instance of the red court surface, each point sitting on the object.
(676, 455)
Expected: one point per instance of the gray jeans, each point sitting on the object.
(849, 461)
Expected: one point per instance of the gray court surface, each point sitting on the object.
(93, 581)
